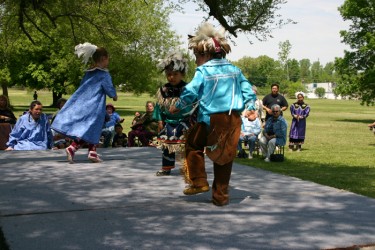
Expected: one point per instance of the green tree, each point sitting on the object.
(316, 71)
(357, 67)
(305, 74)
(329, 74)
(260, 71)
(320, 92)
(294, 87)
(40, 53)
(136, 33)
(294, 70)
(257, 18)
(285, 48)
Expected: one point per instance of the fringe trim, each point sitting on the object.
(165, 103)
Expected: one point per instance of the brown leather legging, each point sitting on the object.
(221, 124)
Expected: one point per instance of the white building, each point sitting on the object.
(328, 86)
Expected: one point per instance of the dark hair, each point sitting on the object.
(275, 84)
(6, 100)
(99, 53)
(219, 55)
(34, 103)
(118, 125)
(61, 100)
(148, 102)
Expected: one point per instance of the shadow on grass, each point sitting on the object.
(365, 121)
(356, 179)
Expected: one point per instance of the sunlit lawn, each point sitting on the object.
(338, 151)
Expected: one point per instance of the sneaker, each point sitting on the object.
(196, 190)
(267, 160)
(94, 157)
(163, 172)
(70, 152)
(250, 156)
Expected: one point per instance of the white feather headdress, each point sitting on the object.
(176, 57)
(85, 51)
(299, 92)
(209, 40)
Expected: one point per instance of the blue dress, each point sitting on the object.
(83, 114)
(29, 134)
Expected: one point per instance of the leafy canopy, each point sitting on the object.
(357, 67)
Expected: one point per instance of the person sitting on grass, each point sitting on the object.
(144, 127)
(109, 125)
(120, 139)
(6, 114)
(32, 131)
(137, 115)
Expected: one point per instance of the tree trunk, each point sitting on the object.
(4, 86)
(55, 97)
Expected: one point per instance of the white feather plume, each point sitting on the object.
(85, 50)
(179, 62)
(203, 41)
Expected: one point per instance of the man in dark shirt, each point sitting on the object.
(274, 98)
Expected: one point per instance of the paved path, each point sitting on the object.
(46, 203)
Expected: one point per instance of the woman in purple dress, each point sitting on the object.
(300, 111)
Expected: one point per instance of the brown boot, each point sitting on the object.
(220, 194)
(196, 173)
(195, 165)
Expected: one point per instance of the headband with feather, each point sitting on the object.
(85, 51)
(174, 61)
(209, 40)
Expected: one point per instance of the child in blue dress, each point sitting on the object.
(82, 117)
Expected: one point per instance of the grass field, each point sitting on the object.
(338, 150)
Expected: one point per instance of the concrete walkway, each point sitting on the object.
(46, 203)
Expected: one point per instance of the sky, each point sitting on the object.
(315, 36)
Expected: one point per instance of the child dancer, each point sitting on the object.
(171, 126)
(222, 91)
(82, 117)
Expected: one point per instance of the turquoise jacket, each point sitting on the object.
(218, 86)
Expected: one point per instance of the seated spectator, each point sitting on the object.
(137, 115)
(144, 128)
(7, 119)
(6, 114)
(32, 131)
(250, 130)
(274, 133)
(112, 119)
(120, 139)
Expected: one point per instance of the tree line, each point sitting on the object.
(37, 38)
